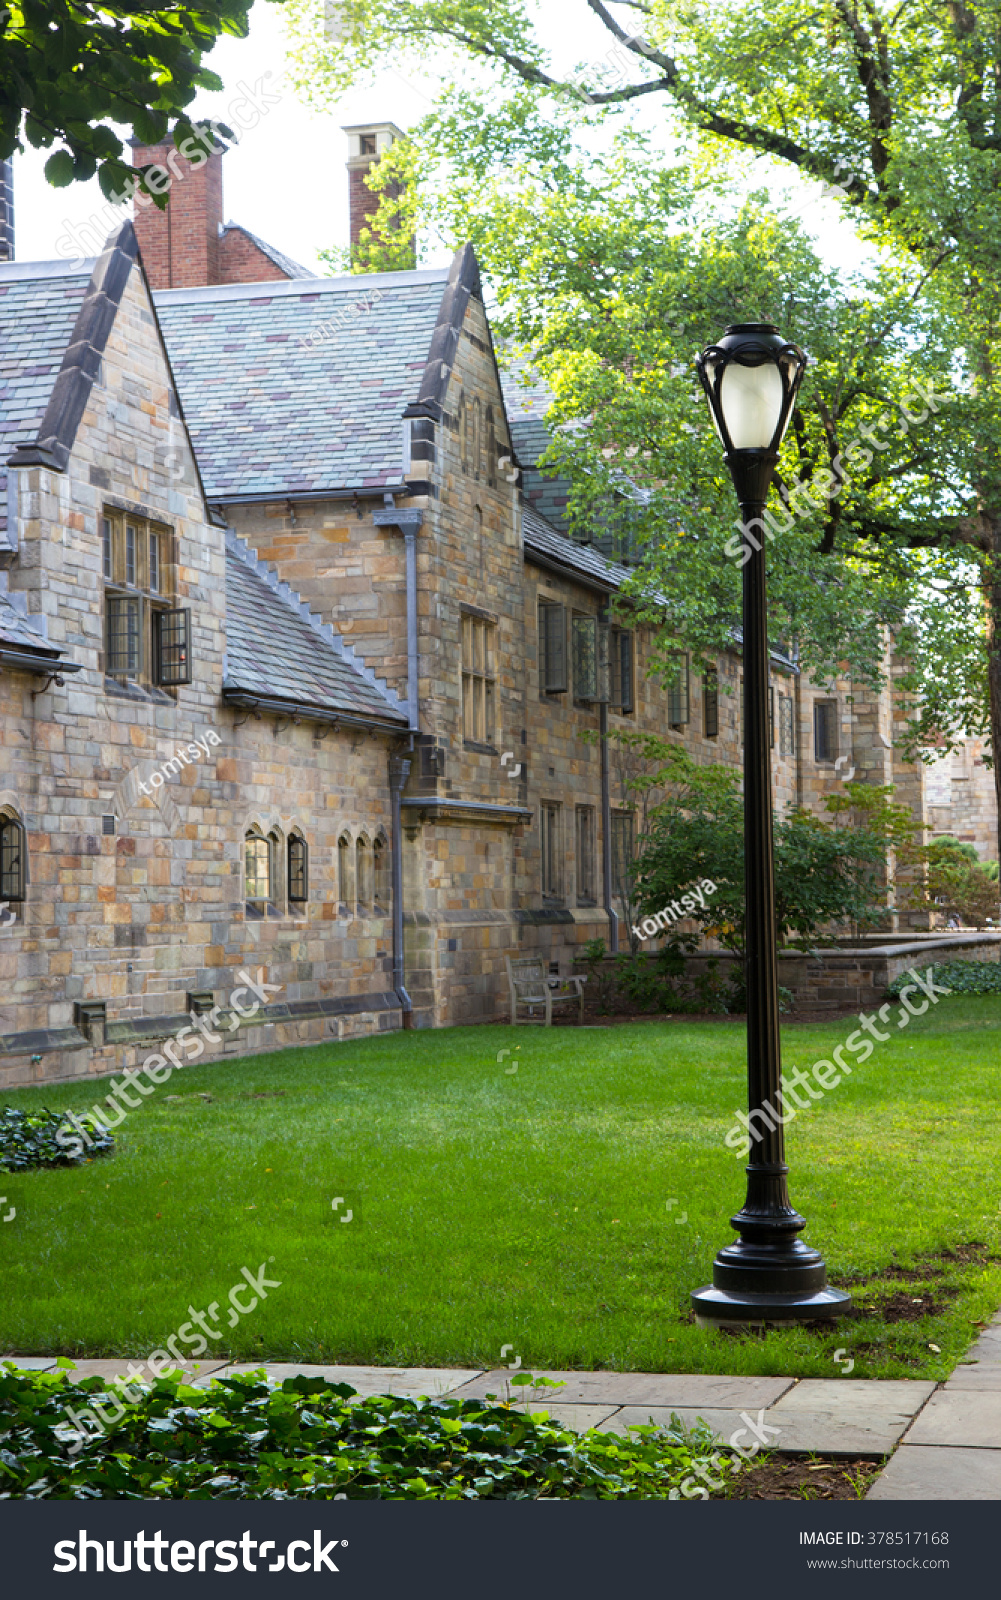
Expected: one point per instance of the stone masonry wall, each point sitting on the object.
(139, 917)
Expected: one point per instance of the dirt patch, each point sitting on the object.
(904, 1307)
(785, 1477)
(266, 1094)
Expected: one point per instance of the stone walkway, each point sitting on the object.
(952, 1449)
(949, 1436)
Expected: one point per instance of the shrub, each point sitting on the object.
(962, 977)
(242, 1439)
(960, 884)
(28, 1139)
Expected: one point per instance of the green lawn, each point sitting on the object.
(528, 1209)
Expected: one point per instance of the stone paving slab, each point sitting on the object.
(984, 1375)
(411, 1382)
(645, 1388)
(930, 1472)
(988, 1346)
(971, 1418)
(831, 1434)
(858, 1398)
(579, 1418)
(723, 1422)
(33, 1363)
(110, 1369)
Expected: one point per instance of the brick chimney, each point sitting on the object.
(180, 246)
(368, 143)
(6, 212)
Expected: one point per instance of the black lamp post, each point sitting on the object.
(751, 378)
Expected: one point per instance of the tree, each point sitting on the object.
(895, 110)
(960, 885)
(68, 68)
(825, 874)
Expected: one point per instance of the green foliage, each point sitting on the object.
(69, 68)
(959, 884)
(241, 1439)
(962, 977)
(612, 266)
(28, 1139)
(824, 873)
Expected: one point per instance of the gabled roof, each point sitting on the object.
(276, 648)
(39, 305)
(290, 388)
(60, 318)
(284, 263)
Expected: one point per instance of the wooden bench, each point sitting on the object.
(529, 984)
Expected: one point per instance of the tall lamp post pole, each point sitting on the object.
(751, 378)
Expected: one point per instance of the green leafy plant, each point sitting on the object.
(69, 69)
(243, 1439)
(962, 977)
(28, 1139)
(960, 884)
(825, 873)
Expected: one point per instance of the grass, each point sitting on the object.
(529, 1208)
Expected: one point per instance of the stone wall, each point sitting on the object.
(845, 977)
(135, 898)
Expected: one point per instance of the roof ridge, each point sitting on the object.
(295, 602)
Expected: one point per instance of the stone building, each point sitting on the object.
(300, 672)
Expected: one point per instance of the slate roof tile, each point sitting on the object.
(276, 646)
(40, 303)
(321, 369)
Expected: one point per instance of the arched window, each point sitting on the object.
(364, 878)
(13, 859)
(380, 852)
(463, 434)
(298, 869)
(257, 873)
(345, 875)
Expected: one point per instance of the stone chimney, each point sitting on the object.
(6, 212)
(180, 245)
(368, 143)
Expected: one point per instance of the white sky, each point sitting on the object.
(286, 181)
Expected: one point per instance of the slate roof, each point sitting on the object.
(284, 263)
(39, 305)
(527, 399)
(583, 559)
(16, 633)
(276, 646)
(290, 388)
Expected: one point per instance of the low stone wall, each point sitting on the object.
(856, 978)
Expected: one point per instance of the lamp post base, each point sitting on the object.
(728, 1308)
(768, 1274)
